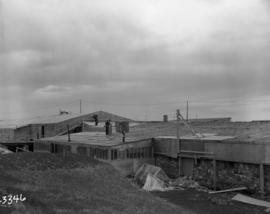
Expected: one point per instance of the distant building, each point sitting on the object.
(54, 125)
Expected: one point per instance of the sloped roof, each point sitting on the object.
(102, 116)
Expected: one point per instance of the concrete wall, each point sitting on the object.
(127, 158)
(267, 153)
(22, 133)
(237, 151)
(130, 166)
(34, 131)
(6, 134)
(170, 146)
(237, 163)
(226, 150)
(135, 144)
(166, 146)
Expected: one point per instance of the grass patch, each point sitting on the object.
(74, 184)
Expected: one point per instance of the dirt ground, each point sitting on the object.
(204, 203)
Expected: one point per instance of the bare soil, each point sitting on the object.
(204, 203)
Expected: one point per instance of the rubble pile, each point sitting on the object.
(153, 178)
(187, 182)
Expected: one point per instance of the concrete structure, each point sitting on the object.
(6, 134)
(216, 161)
(52, 126)
(225, 148)
(126, 157)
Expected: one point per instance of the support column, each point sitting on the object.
(262, 178)
(109, 155)
(214, 174)
(179, 165)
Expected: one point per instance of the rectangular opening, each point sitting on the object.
(42, 131)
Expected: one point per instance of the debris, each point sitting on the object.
(227, 190)
(141, 174)
(4, 151)
(153, 183)
(152, 178)
(185, 182)
(249, 200)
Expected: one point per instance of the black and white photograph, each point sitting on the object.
(134, 106)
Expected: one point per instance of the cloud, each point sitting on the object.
(52, 89)
(121, 51)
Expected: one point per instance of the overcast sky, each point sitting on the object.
(136, 58)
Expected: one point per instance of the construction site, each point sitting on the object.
(171, 158)
(134, 107)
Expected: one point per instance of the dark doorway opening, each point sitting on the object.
(42, 131)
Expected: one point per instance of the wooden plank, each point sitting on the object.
(249, 200)
(228, 190)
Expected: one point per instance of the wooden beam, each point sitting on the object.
(249, 200)
(228, 190)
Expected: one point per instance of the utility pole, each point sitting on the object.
(179, 142)
(80, 106)
(178, 124)
(187, 112)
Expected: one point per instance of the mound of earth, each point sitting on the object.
(74, 184)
